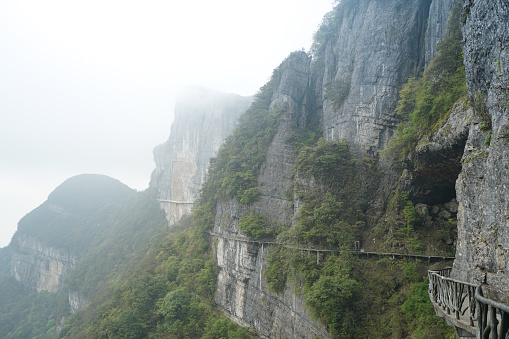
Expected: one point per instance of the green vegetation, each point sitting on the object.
(352, 297)
(256, 226)
(425, 102)
(235, 171)
(338, 90)
(397, 302)
(330, 217)
(168, 293)
(478, 102)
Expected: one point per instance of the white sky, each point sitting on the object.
(89, 86)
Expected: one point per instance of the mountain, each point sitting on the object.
(360, 165)
(83, 234)
(203, 120)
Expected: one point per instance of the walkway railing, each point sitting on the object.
(486, 318)
(451, 294)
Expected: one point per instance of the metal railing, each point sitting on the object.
(490, 318)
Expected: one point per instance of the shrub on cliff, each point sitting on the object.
(425, 102)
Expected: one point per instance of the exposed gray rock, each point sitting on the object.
(483, 212)
(379, 45)
(241, 288)
(203, 120)
(37, 266)
(439, 13)
(77, 301)
(431, 172)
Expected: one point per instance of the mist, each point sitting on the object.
(90, 86)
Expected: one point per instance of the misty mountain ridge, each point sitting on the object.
(264, 214)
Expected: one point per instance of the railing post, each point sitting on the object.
(504, 324)
(494, 322)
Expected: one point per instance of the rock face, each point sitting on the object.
(203, 119)
(379, 45)
(431, 172)
(77, 301)
(37, 266)
(439, 13)
(241, 288)
(373, 56)
(483, 213)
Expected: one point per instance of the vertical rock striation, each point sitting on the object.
(37, 266)
(379, 45)
(483, 212)
(203, 119)
(241, 288)
(439, 13)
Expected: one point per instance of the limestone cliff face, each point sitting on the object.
(483, 214)
(241, 288)
(203, 119)
(439, 13)
(77, 301)
(379, 45)
(373, 55)
(432, 170)
(37, 266)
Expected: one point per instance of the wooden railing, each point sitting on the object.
(487, 318)
(489, 325)
(300, 247)
(451, 294)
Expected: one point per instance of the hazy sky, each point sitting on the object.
(89, 86)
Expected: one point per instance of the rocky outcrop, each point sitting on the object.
(431, 172)
(241, 288)
(439, 13)
(483, 212)
(203, 119)
(37, 266)
(379, 45)
(77, 301)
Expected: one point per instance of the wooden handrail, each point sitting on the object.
(490, 318)
(319, 250)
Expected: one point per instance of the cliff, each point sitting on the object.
(482, 185)
(51, 239)
(203, 119)
(371, 140)
(350, 91)
(38, 266)
(376, 47)
(241, 287)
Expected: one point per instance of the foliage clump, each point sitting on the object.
(256, 226)
(168, 295)
(338, 90)
(326, 183)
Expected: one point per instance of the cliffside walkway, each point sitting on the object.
(176, 202)
(359, 253)
(463, 306)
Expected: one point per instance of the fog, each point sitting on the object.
(89, 86)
